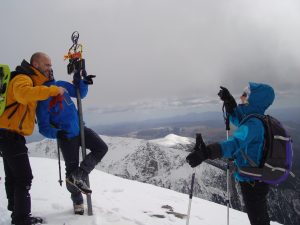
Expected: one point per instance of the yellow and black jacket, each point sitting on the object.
(24, 90)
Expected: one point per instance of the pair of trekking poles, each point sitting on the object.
(77, 67)
(199, 142)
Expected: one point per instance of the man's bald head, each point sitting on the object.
(36, 57)
(42, 62)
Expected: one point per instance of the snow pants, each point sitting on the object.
(70, 151)
(18, 175)
(255, 199)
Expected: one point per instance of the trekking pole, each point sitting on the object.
(83, 148)
(199, 144)
(227, 125)
(59, 167)
(77, 66)
(190, 197)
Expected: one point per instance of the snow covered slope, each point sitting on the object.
(116, 201)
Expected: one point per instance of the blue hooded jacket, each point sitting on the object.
(249, 136)
(61, 116)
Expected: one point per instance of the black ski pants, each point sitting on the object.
(18, 175)
(70, 151)
(255, 199)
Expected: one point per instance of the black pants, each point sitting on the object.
(255, 199)
(18, 175)
(70, 151)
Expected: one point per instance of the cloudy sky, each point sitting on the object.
(156, 57)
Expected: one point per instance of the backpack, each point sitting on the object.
(5, 76)
(276, 163)
(4, 79)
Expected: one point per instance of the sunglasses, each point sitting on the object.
(244, 94)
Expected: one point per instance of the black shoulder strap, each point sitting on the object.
(13, 74)
(258, 116)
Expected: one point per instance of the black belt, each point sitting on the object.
(10, 135)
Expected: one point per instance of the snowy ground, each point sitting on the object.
(116, 201)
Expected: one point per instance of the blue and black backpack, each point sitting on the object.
(276, 163)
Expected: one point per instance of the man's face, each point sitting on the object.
(43, 64)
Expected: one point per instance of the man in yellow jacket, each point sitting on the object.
(24, 90)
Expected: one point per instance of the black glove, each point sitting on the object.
(229, 101)
(61, 134)
(89, 79)
(211, 151)
(196, 157)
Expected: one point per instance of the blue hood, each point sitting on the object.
(261, 97)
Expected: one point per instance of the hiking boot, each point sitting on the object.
(78, 209)
(78, 179)
(33, 220)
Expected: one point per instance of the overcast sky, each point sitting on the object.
(162, 55)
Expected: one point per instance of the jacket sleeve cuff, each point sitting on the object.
(53, 90)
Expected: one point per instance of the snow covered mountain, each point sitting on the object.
(116, 201)
(162, 162)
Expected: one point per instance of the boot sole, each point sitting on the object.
(79, 213)
(42, 219)
(82, 191)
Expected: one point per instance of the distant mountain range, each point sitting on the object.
(186, 125)
(183, 125)
(162, 162)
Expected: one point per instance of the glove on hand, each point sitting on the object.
(89, 79)
(211, 151)
(224, 94)
(61, 134)
(196, 157)
(229, 101)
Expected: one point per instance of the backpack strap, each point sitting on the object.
(258, 116)
(246, 157)
(279, 137)
(15, 109)
(267, 141)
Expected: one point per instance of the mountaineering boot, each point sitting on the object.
(32, 220)
(78, 179)
(78, 209)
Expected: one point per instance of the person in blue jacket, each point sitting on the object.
(249, 137)
(58, 119)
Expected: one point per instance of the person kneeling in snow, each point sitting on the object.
(248, 137)
(58, 118)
